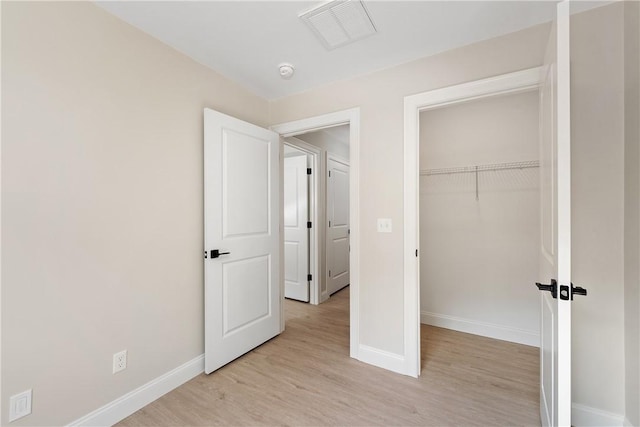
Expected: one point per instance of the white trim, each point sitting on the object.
(351, 117)
(382, 359)
(520, 81)
(125, 405)
(627, 423)
(314, 238)
(586, 416)
(485, 329)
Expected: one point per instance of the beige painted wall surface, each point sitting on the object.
(101, 205)
(632, 210)
(480, 257)
(597, 114)
(380, 97)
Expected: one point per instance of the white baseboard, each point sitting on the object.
(505, 333)
(122, 407)
(382, 359)
(586, 416)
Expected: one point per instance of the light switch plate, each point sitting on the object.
(19, 405)
(384, 225)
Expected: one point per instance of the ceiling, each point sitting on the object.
(246, 41)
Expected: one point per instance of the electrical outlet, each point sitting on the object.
(19, 405)
(120, 361)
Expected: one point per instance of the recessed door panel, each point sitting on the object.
(245, 289)
(245, 196)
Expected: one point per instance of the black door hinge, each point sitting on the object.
(309, 224)
(308, 171)
(309, 277)
(329, 174)
(416, 253)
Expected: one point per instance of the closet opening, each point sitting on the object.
(480, 217)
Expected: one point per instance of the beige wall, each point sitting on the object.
(101, 205)
(327, 143)
(480, 257)
(380, 97)
(632, 210)
(597, 113)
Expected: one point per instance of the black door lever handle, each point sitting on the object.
(215, 253)
(553, 288)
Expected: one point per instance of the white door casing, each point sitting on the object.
(555, 220)
(511, 83)
(337, 224)
(296, 233)
(241, 216)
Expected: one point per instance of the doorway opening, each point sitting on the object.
(513, 83)
(316, 214)
(479, 217)
(339, 194)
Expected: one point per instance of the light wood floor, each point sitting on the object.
(305, 377)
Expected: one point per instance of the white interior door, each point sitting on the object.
(241, 237)
(337, 225)
(296, 233)
(555, 257)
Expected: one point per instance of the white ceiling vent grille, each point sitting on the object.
(339, 22)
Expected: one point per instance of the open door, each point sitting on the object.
(241, 237)
(296, 231)
(555, 242)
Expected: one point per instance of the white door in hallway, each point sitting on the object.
(555, 250)
(337, 251)
(241, 237)
(296, 233)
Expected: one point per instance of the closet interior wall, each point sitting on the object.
(479, 232)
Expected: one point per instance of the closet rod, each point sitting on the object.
(481, 168)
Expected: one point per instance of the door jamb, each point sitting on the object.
(352, 118)
(517, 82)
(315, 296)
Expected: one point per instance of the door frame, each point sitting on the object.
(352, 118)
(511, 83)
(314, 215)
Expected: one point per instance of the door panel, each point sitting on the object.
(555, 239)
(245, 201)
(338, 225)
(296, 233)
(241, 203)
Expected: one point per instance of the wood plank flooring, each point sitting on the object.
(304, 377)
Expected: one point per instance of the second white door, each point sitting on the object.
(337, 251)
(296, 232)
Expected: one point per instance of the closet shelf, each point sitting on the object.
(481, 168)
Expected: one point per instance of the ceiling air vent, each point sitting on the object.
(339, 22)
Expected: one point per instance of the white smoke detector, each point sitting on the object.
(286, 71)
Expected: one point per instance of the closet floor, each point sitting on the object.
(305, 377)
